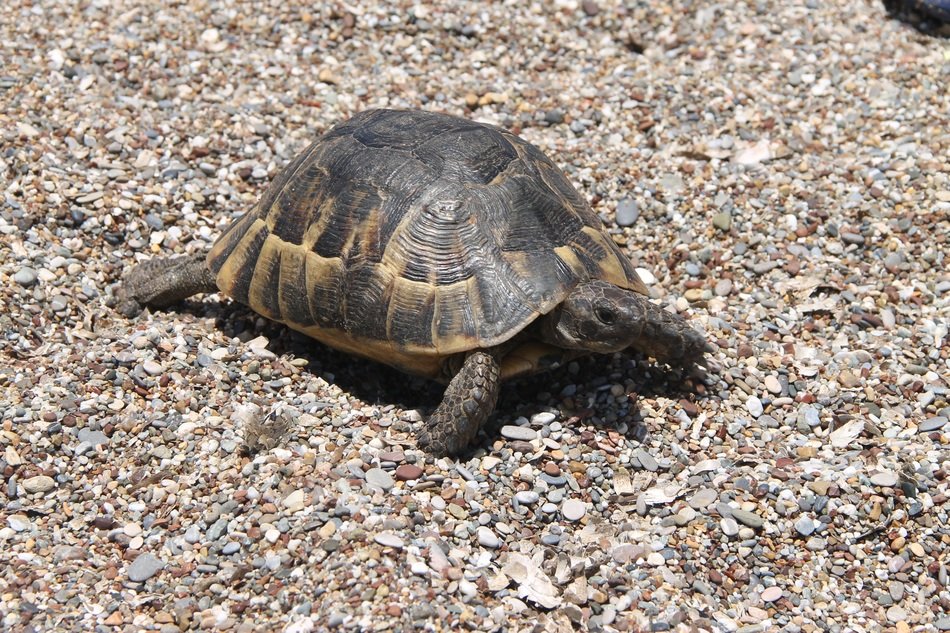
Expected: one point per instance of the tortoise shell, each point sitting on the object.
(408, 237)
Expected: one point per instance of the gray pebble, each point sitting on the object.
(805, 526)
(144, 567)
(723, 288)
(19, 522)
(703, 498)
(523, 433)
(95, 438)
(379, 478)
(627, 212)
(26, 277)
(646, 460)
(932, 424)
(747, 518)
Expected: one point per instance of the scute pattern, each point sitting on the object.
(415, 234)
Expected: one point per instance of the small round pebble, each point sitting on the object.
(573, 509)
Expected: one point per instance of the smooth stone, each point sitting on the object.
(527, 497)
(932, 424)
(545, 417)
(772, 384)
(884, 479)
(487, 538)
(388, 539)
(192, 534)
(655, 559)
(379, 478)
(25, 277)
(627, 212)
(152, 368)
(943, 624)
(723, 288)
(747, 518)
(19, 522)
(728, 526)
(40, 483)
(754, 406)
(93, 437)
(805, 526)
(771, 594)
(703, 498)
(523, 433)
(646, 460)
(408, 472)
(144, 567)
(896, 614)
(574, 509)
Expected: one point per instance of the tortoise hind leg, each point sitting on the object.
(469, 400)
(163, 282)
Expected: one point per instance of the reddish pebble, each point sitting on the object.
(552, 469)
(408, 472)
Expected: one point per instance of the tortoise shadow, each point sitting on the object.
(378, 384)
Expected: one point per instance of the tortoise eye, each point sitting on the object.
(605, 316)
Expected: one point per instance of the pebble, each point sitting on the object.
(754, 406)
(408, 472)
(573, 509)
(932, 424)
(487, 538)
(144, 567)
(747, 518)
(379, 478)
(703, 498)
(884, 479)
(771, 594)
(388, 539)
(38, 484)
(25, 277)
(527, 497)
(522, 433)
(19, 522)
(627, 212)
(728, 526)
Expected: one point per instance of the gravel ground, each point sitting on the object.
(780, 171)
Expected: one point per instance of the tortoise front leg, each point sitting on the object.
(469, 400)
(163, 282)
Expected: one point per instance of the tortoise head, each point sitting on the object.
(597, 317)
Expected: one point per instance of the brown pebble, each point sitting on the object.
(408, 472)
(552, 469)
(590, 8)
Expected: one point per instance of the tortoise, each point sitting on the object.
(928, 15)
(443, 247)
